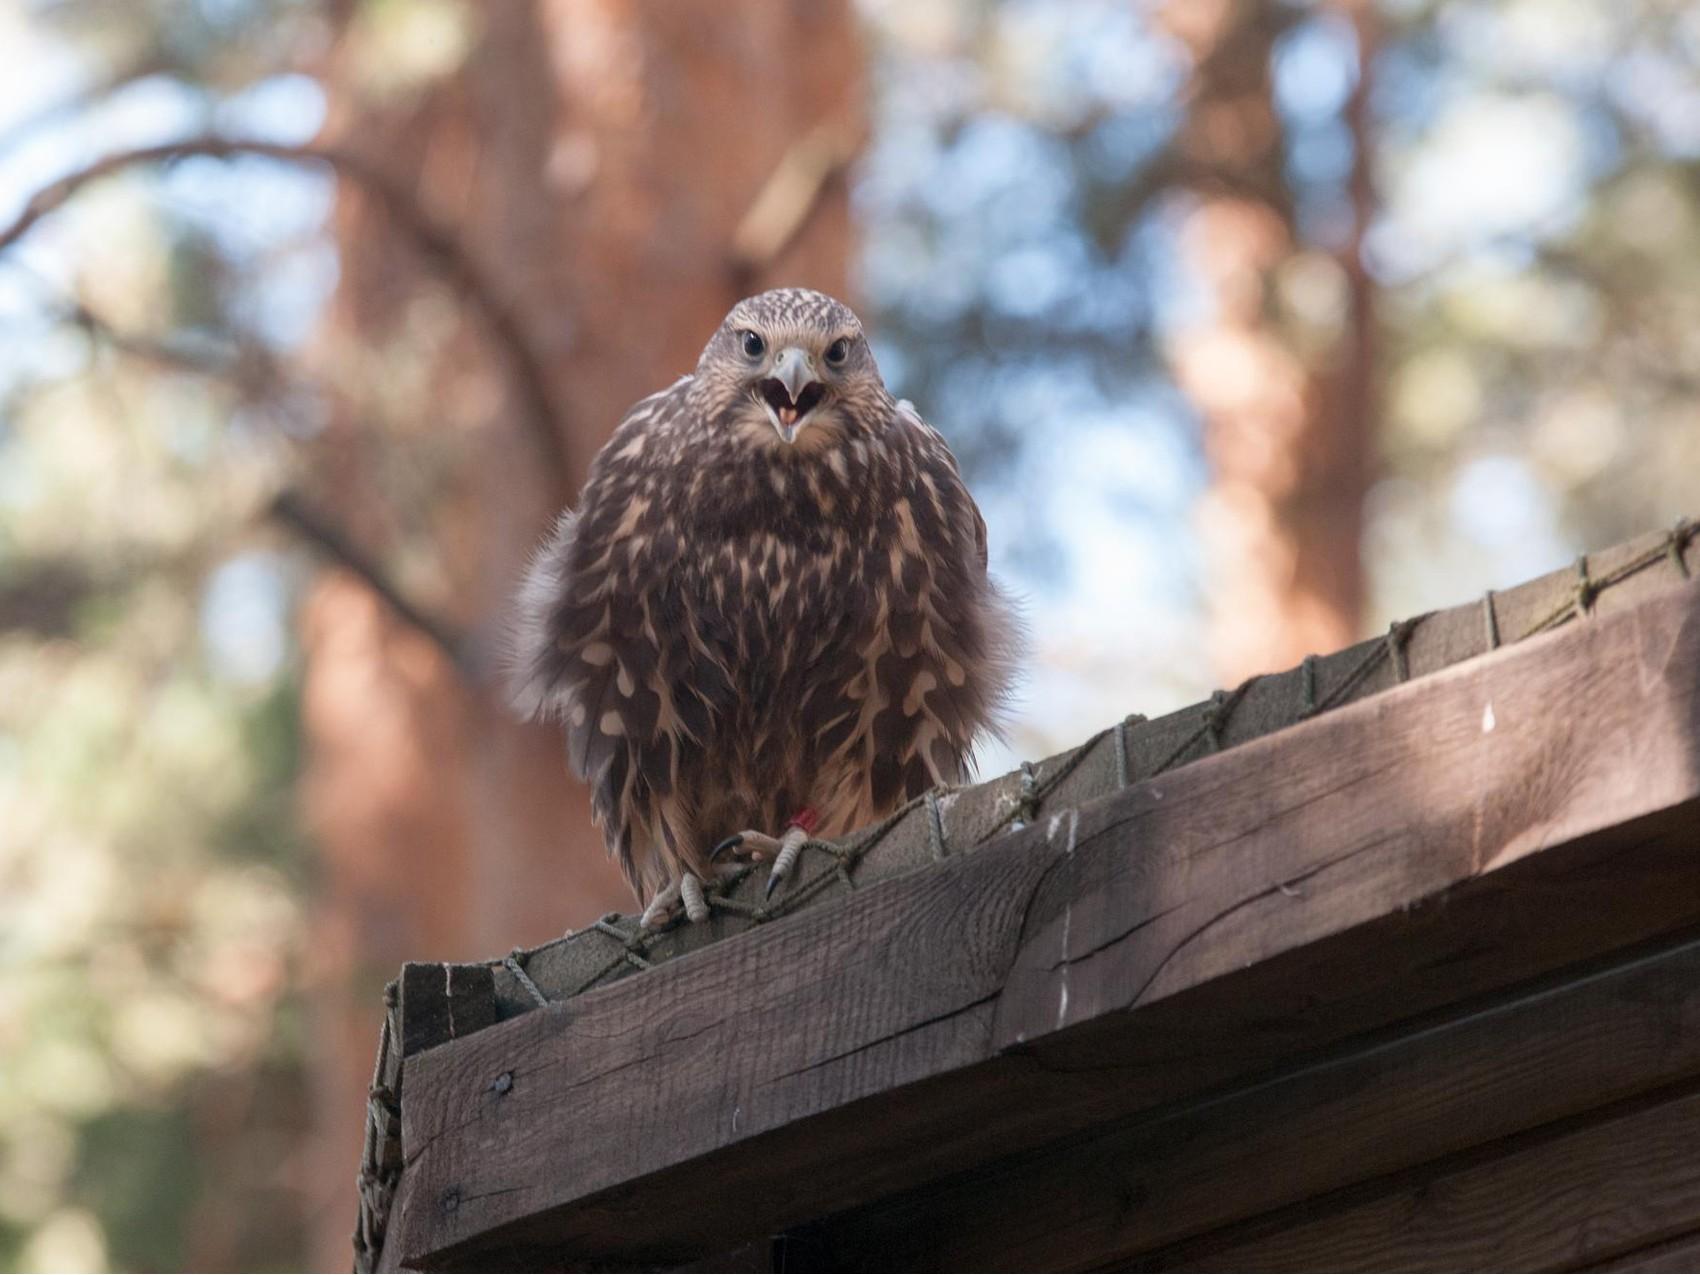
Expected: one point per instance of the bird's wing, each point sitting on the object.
(974, 629)
(955, 505)
(588, 648)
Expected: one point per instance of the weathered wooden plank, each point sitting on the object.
(1678, 1255)
(1562, 1047)
(380, 1152)
(1455, 835)
(441, 1002)
(1567, 1196)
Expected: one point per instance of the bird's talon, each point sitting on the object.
(789, 849)
(662, 907)
(727, 844)
(751, 846)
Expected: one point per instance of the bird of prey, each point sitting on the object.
(769, 613)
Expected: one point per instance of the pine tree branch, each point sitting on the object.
(288, 508)
(546, 415)
(291, 509)
(249, 367)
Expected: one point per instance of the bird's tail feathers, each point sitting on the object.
(533, 665)
(1007, 641)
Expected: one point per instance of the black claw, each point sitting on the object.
(772, 884)
(730, 843)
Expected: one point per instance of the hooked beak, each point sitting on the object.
(793, 370)
(791, 392)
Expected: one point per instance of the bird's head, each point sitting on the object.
(790, 369)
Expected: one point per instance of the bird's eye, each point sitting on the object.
(754, 346)
(838, 351)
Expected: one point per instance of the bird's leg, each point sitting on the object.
(783, 851)
(690, 893)
(790, 848)
(685, 893)
(662, 908)
(682, 893)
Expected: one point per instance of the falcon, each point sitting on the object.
(769, 617)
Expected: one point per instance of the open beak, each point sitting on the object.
(791, 392)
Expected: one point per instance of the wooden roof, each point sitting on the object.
(1213, 943)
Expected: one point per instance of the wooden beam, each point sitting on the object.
(1679, 1255)
(1566, 1196)
(440, 1002)
(1547, 1053)
(1459, 834)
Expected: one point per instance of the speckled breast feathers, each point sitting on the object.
(773, 597)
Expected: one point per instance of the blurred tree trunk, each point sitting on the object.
(601, 156)
(1281, 370)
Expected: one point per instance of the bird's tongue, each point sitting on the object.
(788, 412)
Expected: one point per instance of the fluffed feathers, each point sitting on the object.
(534, 665)
(773, 596)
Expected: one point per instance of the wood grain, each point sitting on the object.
(1680, 1254)
(1559, 1200)
(441, 1002)
(1456, 835)
(1547, 1053)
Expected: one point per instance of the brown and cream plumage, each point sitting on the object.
(771, 605)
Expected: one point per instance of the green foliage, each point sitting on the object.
(151, 864)
(1540, 303)
(138, 1172)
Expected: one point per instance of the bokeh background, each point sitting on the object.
(1255, 325)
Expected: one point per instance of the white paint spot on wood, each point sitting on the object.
(1068, 910)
